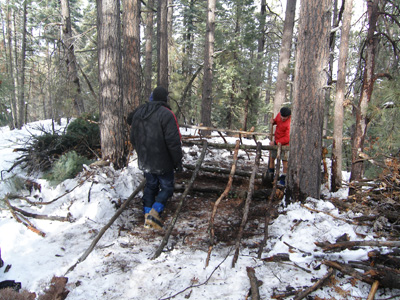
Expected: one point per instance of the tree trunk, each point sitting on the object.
(162, 40)
(11, 68)
(304, 174)
(261, 39)
(336, 176)
(68, 41)
(208, 65)
(21, 87)
(357, 167)
(332, 46)
(284, 56)
(110, 76)
(148, 50)
(131, 55)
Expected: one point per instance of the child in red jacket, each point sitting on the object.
(282, 136)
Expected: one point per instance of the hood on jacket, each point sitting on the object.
(149, 108)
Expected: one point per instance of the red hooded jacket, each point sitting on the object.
(282, 131)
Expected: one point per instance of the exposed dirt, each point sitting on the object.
(192, 225)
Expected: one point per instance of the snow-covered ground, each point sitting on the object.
(120, 267)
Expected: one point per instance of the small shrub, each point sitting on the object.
(40, 152)
(83, 133)
(66, 167)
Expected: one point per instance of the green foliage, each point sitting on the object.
(66, 167)
(84, 132)
(15, 183)
(42, 151)
(384, 113)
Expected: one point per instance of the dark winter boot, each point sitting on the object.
(153, 220)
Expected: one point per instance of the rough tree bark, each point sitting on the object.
(304, 174)
(148, 49)
(131, 55)
(11, 68)
(284, 56)
(208, 64)
(110, 77)
(337, 143)
(357, 166)
(21, 86)
(162, 40)
(70, 58)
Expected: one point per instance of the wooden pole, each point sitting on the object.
(269, 204)
(223, 195)
(103, 230)
(247, 204)
(185, 193)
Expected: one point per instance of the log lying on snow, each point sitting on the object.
(383, 268)
(232, 146)
(350, 244)
(221, 171)
(260, 194)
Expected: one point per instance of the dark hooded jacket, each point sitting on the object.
(156, 138)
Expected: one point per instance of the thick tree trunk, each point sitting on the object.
(110, 77)
(162, 40)
(304, 174)
(208, 65)
(131, 55)
(357, 167)
(148, 70)
(284, 56)
(70, 60)
(336, 176)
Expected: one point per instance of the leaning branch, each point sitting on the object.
(24, 221)
(68, 218)
(247, 204)
(315, 286)
(103, 230)
(268, 212)
(178, 210)
(223, 195)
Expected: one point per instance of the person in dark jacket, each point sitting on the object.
(156, 138)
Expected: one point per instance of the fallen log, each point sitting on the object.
(327, 246)
(221, 170)
(232, 146)
(391, 259)
(22, 220)
(224, 130)
(345, 269)
(258, 195)
(68, 218)
(387, 277)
